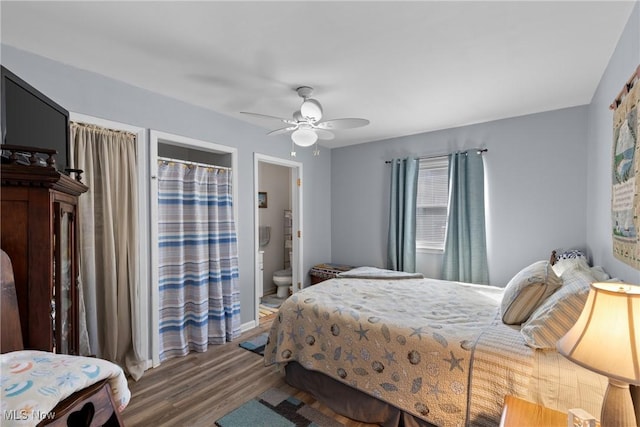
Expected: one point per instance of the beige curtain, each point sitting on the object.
(108, 242)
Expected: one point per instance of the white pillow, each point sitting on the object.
(555, 316)
(599, 274)
(527, 290)
(568, 259)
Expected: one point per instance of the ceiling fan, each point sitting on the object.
(306, 125)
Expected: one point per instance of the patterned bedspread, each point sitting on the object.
(408, 342)
(33, 382)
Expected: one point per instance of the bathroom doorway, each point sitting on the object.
(278, 229)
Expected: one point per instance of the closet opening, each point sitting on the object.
(194, 245)
(140, 318)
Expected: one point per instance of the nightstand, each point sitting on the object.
(520, 413)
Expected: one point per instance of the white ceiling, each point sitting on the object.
(408, 67)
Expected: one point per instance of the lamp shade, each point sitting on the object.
(606, 337)
(304, 137)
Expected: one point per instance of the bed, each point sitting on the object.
(395, 349)
(43, 388)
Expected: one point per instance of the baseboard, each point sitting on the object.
(249, 325)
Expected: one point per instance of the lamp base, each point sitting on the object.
(635, 398)
(617, 408)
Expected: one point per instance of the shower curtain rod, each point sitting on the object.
(188, 162)
(479, 150)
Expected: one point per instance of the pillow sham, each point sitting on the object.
(527, 290)
(568, 259)
(555, 316)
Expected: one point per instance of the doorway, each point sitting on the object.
(278, 231)
(164, 145)
(141, 302)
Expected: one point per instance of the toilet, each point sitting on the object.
(282, 279)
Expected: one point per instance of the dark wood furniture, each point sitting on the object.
(10, 316)
(90, 407)
(38, 224)
(321, 272)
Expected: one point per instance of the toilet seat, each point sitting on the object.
(282, 279)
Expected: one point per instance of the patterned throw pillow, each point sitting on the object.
(567, 259)
(527, 290)
(570, 254)
(549, 322)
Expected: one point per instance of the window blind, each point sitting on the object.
(432, 203)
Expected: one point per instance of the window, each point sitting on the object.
(432, 203)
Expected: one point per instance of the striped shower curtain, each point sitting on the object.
(198, 259)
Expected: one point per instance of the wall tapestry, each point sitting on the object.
(625, 194)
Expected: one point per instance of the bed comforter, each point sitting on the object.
(408, 342)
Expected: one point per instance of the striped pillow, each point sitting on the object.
(527, 290)
(549, 322)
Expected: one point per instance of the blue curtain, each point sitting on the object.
(199, 296)
(465, 250)
(401, 249)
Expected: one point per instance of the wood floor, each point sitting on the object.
(198, 389)
(266, 311)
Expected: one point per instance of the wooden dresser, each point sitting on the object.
(38, 224)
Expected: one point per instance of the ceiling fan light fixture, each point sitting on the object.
(304, 137)
(311, 109)
(306, 125)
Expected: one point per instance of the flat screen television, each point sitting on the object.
(30, 118)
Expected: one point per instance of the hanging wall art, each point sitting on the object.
(625, 192)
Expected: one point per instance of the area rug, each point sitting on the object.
(275, 408)
(256, 344)
(272, 301)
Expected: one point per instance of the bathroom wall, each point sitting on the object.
(275, 180)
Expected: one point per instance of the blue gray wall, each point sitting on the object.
(600, 120)
(548, 182)
(547, 174)
(96, 95)
(535, 172)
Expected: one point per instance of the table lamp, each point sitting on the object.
(606, 340)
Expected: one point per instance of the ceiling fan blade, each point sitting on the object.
(282, 130)
(324, 134)
(265, 116)
(342, 124)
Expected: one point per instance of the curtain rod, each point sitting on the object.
(101, 128)
(478, 150)
(188, 162)
(625, 89)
